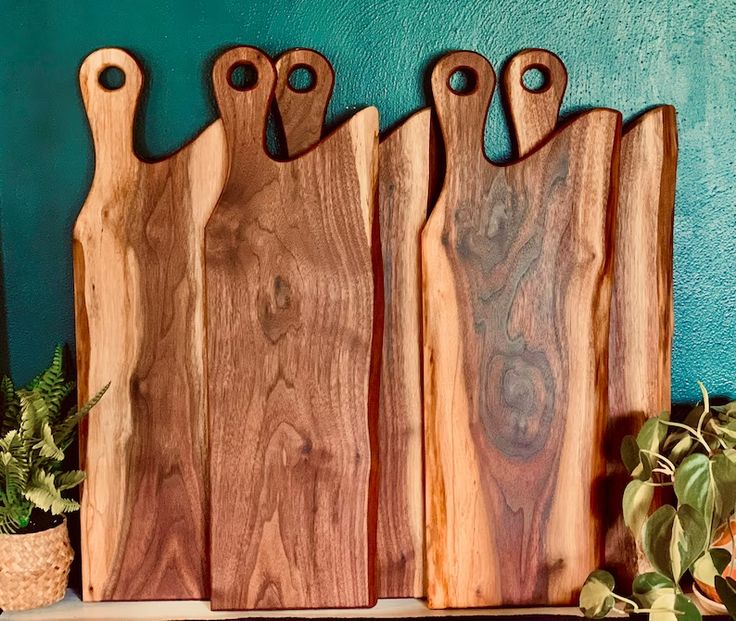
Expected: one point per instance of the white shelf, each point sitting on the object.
(72, 608)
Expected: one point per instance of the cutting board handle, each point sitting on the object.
(111, 111)
(462, 113)
(302, 111)
(244, 109)
(533, 113)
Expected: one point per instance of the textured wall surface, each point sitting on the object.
(626, 54)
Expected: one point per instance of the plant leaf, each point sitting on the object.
(694, 485)
(636, 502)
(47, 446)
(726, 589)
(681, 448)
(649, 586)
(652, 433)
(674, 607)
(596, 600)
(724, 480)
(67, 480)
(673, 540)
(637, 463)
(710, 565)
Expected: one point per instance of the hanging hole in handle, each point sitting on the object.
(463, 81)
(242, 76)
(111, 78)
(302, 79)
(536, 79)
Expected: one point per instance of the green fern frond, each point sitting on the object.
(10, 405)
(47, 446)
(66, 429)
(43, 493)
(34, 433)
(70, 479)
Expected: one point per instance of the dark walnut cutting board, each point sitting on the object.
(291, 366)
(641, 308)
(403, 182)
(516, 277)
(140, 326)
(403, 194)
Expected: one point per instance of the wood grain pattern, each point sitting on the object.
(533, 114)
(641, 307)
(302, 112)
(403, 183)
(516, 271)
(290, 304)
(139, 318)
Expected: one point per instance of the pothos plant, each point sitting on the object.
(696, 458)
(35, 432)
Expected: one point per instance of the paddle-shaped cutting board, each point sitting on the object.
(403, 183)
(516, 264)
(403, 194)
(290, 303)
(140, 326)
(302, 111)
(641, 308)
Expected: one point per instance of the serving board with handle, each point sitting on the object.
(291, 366)
(302, 111)
(403, 188)
(140, 326)
(516, 264)
(641, 310)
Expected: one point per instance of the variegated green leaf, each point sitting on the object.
(636, 502)
(649, 586)
(674, 607)
(672, 540)
(596, 600)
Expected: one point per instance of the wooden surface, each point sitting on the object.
(641, 306)
(71, 609)
(533, 114)
(139, 320)
(302, 113)
(290, 291)
(516, 279)
(403, 183)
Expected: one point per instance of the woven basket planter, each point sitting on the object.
(34, 568)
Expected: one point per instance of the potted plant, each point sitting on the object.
(35, 431)
(696, 458)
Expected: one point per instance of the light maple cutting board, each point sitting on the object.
(516, 264)
(140, 326)
(403, 194)
(290, 304)
(641, 307)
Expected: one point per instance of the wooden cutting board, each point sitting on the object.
(641, 307)
(403, 200)
(516, 264)
(302, 112)
(403, 183)
(140, 324)
(290, 304)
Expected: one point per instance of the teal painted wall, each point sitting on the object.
(625, 54)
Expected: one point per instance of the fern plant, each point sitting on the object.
(35, 432)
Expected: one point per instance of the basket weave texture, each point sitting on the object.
(34, 568)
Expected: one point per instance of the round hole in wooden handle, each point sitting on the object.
(462, 109)
(302, 110)
(244, 99)
(111, 109)
(533, 112)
